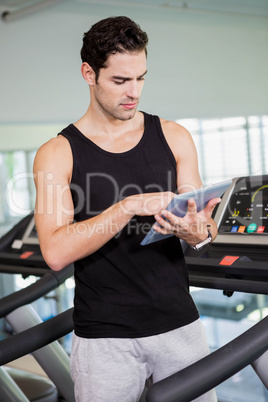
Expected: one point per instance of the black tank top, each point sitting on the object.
(125, 290)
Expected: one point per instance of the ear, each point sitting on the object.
(88, 73)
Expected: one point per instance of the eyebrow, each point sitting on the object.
(119, 77)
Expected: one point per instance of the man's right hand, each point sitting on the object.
(147, 204)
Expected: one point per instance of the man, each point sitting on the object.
(100, 186)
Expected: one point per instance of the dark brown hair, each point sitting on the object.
(109, 36)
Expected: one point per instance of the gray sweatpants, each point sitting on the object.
(116, 370)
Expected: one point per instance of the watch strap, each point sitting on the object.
(203, 243)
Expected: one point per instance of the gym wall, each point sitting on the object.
(200, 64)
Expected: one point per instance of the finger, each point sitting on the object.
(164, 224)
(211, 205)
(192, 208)
(160, 229)
(173, 219)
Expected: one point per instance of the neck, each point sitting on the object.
(94, 123)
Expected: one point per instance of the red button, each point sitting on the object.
(228, 260)
(26, 254)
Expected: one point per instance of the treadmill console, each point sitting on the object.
(238, 257)
(242, 216)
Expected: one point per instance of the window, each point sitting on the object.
(17, 192)
(230, 147)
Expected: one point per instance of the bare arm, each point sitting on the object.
(193, 227)
(62, 241)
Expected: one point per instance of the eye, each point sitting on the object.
(119, 82)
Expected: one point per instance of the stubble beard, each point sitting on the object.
(115, 112)
(118, 114)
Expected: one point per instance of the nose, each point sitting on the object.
(133, 90)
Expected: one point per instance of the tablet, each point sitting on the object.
(179, 205)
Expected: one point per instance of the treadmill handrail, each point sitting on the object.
(41, 287)
(213, 369)
(34, 338)
(233, 284)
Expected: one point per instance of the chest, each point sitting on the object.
(100, 180)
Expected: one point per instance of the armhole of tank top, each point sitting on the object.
(72, 146)
(165, 143)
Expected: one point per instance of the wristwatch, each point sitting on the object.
(203, 243)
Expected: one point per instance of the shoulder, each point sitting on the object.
(178, 137)
(55, 156)
(171, 128)
(55, 147)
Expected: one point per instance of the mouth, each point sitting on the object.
(128, 105)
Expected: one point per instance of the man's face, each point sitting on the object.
(119, 86)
